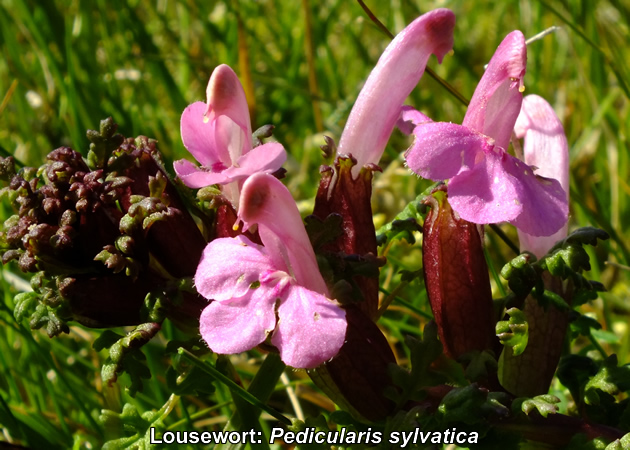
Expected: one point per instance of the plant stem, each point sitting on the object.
(249, 395)
(246, 416)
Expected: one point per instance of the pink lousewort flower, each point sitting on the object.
(219, 135)
(545, 148)
(346, 187)
(488, 185)
(397, 72)
(273, 289)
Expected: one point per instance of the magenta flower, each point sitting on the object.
(273, 289)
(219, 135)
(488, 185)
(397, 72)
(546, 149)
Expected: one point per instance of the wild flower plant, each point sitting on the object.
(113, 240)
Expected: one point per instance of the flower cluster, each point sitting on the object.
(275, 289)
(218, 259)
(113, 240)
(93, 234)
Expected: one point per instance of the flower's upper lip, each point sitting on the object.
(225, 96)
(397, 72)
(268, 203)
(496, 102)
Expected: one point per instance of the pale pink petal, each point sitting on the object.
(230, 139)
(184, 167)
(546, 148)
(226, 97)
(497, 100)
(486, 193)
(198, 135)
(195, 178)
(540, 245)
(229, 266)
(239, 324)
(410, 118)
(440, 149)
(545, 205)
(267, 202)
(311, 329)
(267, 158)
(546, 144)
(264, 158)
(397, 72)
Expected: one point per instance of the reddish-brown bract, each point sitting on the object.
(339, 193)
(358, 376)
(456, 278)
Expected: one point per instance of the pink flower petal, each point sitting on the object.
(397, 72)
(268, 203)
(440, 149)
(546, 148)
(229, 266)
(546, 144)
(497, 100)
(239, 324)
(184, 167)
(196, 178)
(198, 135)
(545, 205)
(410, 118)
(311, 329)
(267, 158)
(230, 140)
(226, 97)
(540, 245)
(486, 193)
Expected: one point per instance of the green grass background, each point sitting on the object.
(66, 65)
